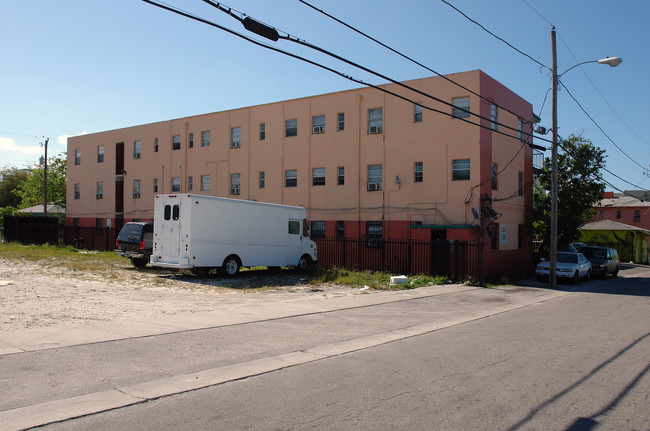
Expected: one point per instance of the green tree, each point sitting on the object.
(11, 178)
(30, 191)
(580, 187)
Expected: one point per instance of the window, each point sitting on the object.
(235, 137)
(417, 113)
(205, 183)
(495, 176)
(618, 214)
(294, 227)
(155, 145)
(136, 189)
(461, 107)
(460, 170)
(262, 179)
(318, 229)
(520, 183)
(494, 114)
(262, 131)
(417, 168)
(374, 177)
(291, 128)
(77, 157)
(176, 142)
(637, 215)
(340, 124)
(521, 130)
(176, 184)
(205, 138)
(235, 183)
(340, 229)
(100, 190)
(291, 178)
(375, 121)
(176, 212)
(168, 212)
(340, 175)
(155, 185)
(520, 236)
(190, 184)
(190, 142)
(99, 225)
(318, 124)
(374, 233)
(100, 154)
(137, 149)
(77, 191)
(318, 176)
(76, 222)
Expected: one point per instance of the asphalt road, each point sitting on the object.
(512, 358)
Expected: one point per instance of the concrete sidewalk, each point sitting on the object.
(26, 340)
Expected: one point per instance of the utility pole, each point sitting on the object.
(45, 180)
(554, 187)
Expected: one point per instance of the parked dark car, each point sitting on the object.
(603, 260)
(135, 241)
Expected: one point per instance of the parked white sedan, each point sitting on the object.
(570, 265)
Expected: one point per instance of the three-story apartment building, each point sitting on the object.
(362, 162)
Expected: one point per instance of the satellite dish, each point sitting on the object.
(475, 214)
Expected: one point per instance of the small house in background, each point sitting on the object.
(36, 210)
(630, 241)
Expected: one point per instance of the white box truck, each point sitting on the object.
(201, 233)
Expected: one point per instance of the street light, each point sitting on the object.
(611, 61)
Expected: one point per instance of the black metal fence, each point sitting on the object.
(454, 259)
(31, 229)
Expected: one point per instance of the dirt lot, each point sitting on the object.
(40, 295)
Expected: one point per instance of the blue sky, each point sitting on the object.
(78, 66)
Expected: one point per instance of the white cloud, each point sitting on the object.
(63, 139)
(9, 145)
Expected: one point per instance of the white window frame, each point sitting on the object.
(461, 105)
(494, 116)
(235, 137)
(375, 177)
(176, 184)
(205, 183)
(291, 178)
(205, 138)
(417, 113)
(318, 176)
(375, 121)
(317, 124)
(461, 169)
(291, 128)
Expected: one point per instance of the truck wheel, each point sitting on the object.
(304, 262)
(230, 266)
(139, 263)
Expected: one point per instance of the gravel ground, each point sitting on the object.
(34, 295)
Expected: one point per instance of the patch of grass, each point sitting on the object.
(64, 257)
(374, 280)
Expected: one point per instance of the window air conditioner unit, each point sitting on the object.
(136, 155)
(100, 195)
(374, 186)
(136, 195)
(374, 130)
(235, 144)
(234, 191)
(317, 129)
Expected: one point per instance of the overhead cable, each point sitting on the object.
(329, 69)
(487, 99)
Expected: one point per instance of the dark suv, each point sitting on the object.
(135, 241)
(603, 260)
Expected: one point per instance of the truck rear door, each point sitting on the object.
(170, 231)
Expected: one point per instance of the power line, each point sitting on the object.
(601, 129)
(271, 33)
(348, 77)
(492, 34)
(406, 57)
